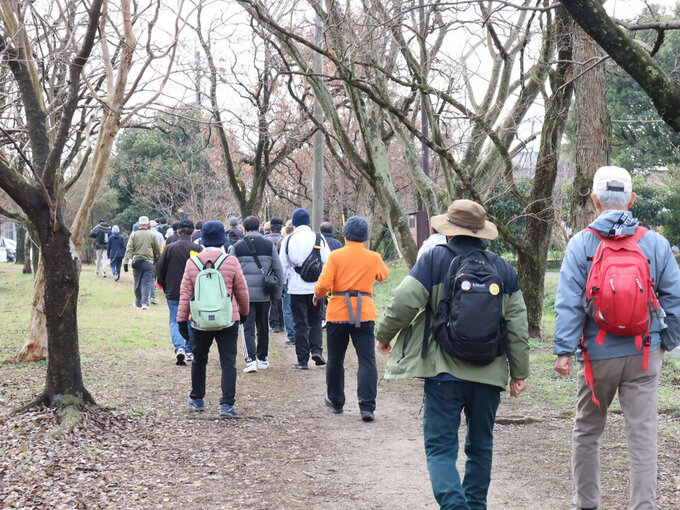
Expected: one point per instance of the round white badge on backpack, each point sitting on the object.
(465, 285)
(494, 289)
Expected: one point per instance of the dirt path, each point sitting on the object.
(288, 451)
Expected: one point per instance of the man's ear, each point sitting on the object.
(596, 201)
(633, 196)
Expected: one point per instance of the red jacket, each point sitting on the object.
(233, 278)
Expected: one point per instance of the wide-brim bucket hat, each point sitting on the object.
(464, 218)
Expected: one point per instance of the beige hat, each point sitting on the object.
(143, 220)
(612, 178)
(464, 218)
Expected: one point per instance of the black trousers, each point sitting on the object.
(363, 339)
(307, 320)
(226, 345)
(257, 318)
(276, 313)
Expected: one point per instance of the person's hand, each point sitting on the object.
(184, 329)
(384, 348)
(315, 299)
(517, 386)
(563, 365)
(125, 268)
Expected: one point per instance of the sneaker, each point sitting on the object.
(104, 275)
(152, 300)
(301, 366)
(327, 401)
(96, 273)
(367, 416)
(145, 307)
(318, 360)
(251, 366)
(227, 411)
(137, 307)
(262, 364)
(189, 357)
(197, 404)
(290, 342)
(180, 356)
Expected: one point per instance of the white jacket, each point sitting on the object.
(301, 244)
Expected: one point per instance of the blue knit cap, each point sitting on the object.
(355, 229)
(301, 217)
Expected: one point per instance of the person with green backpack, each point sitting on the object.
(213, 296)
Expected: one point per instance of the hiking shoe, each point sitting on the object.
(197, 404)
(262, 364)
(180, 356)
(301, 366)
(227, 411)
(318, 360)
(251, 366)
(367, 416)
(327, 401)
(189, 357)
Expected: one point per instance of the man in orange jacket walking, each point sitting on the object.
(349, 276)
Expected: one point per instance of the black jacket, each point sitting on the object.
(170, 266)
(101, 234)
(268, 257)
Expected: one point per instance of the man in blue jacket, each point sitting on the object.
(616, 364)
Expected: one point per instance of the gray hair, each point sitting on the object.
(614, 199)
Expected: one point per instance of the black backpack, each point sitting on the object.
(468, 322)
(311, 267)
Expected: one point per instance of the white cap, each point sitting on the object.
(612, 178)
(143, 220)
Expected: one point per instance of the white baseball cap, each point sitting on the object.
(612, 178)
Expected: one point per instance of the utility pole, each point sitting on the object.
(317, 183)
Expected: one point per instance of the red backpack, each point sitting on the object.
(620, 295)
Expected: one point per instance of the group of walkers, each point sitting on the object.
(458, 321)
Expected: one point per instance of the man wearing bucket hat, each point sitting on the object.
(453, 385)
(614, 363)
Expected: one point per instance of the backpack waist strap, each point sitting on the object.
(356, 320)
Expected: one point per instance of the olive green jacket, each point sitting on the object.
(142, 245)
(403, 323)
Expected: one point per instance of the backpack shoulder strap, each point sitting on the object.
(219, 261)
(197, 262)
(317, 242)
(639, 232)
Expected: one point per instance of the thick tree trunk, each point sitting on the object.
(593, 129)
(64, 376)
(531, 272)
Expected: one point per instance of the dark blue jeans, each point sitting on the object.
(116, 262)
(363, 339)
(257, 319)
(444, 402)
(308, 335)
(226, 345)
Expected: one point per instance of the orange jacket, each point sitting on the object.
(351, 268)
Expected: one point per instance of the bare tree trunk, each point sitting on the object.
(35, 347)
(593, 129)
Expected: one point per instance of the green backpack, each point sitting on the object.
(211, 304)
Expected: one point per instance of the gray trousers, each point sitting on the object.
(142, 271)
(637, 391)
